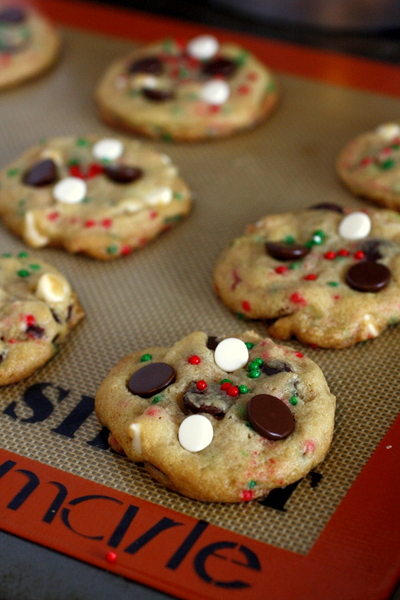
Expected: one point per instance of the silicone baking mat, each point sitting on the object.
(163, 292)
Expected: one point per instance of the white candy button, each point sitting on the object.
(195, 433)
(388, 130)
(215, 91)
(108, 149)
(355, 226)
(203, 47)
(70, 190)
(52, 288)
(231, 354)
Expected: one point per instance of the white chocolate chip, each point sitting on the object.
(52, 288)
(70, 190)
(134, 432)
(355, 226)
(31, 234)
(108, 149)
(388, 131)
(195, 433)
(129, 205)
(231, 354)
(160, 195)
(203, 47)
(370, 326)
(215, 91)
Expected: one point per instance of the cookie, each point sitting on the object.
(38, 308)
(328, 275)
(370, 165)
(181, 90)
(219, 420)
(98, 196)
(29, 44)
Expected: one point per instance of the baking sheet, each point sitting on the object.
(164, 291)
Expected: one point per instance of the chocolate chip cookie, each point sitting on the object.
(38, 308)
(329, 275)
(103, 197)
(184, 90)
(219, 420)
(369, 165)
(29, 43)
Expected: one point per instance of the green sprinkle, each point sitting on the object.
(23, 255)
(333, 283)
(23, 273)
(242, 58)
(294, 265)
(249, 345)
(173, 219)
(166, 137)
(254, 374)
(7, 255)
(243, 389)
(82, 142)
(73, 162)
(112, 249)
(145, 357)
(13, 172)
(309, 244)
(249, 425)
(156, 399)
(293, 400)
(252, 484)
(289, 239)
(225, 381)
(258, 361)
(387, 164)
(178, 196)
(34, 267)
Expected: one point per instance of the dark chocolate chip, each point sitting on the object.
(34, 331)
(327, 206)
(224, 67)
(122, 173)
(212, 400)
(371, 249)
(41, 173)
(212, 342)
(270, 417)
(273, 367)
(284, 251)
(12, 14)
(368, 276)
(151, 379)
(157, 95)
(150, 64)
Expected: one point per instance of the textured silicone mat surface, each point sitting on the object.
(164, 291)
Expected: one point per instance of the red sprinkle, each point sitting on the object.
(246, 305)
(53, 215)
(366, 161)
(153, 214)
(281, 269)
(244, 89)
(299, 355)
(226, 385)
(125, 250)
(247, 495)
(30, 320)
(233, 391)
(253, 76)
(194, 360)
(214, 108)
(359, 255)
(106, 223)
(90, 223)
(111, 557)
(75, 171)
(201, 385)
(94, 170)
(330, 255)
(297, 298)
(311, 277)
(343, 252)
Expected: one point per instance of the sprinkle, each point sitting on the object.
(343, 252)
(333, 283)
(53, 215)
(201, 385)
(310, 277)
(330, 255)
(90, 223)
(145, 357)
(126, 250)
(226, 385)
(194, 360)
(23, 273)
(299, 355)
(289, 239)
(281, 269)
(233, 391)
(247, 495)
(293, 400)
(111, 249)
(246, 305)
(22, 255)
(244, 90)
(249, 345)
(387, 164)
(254, 373)
(359, 255)
(297, 298)
(111, 557)
(243, 389)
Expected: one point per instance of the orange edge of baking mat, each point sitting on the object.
(356, 556)
(322, 65)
